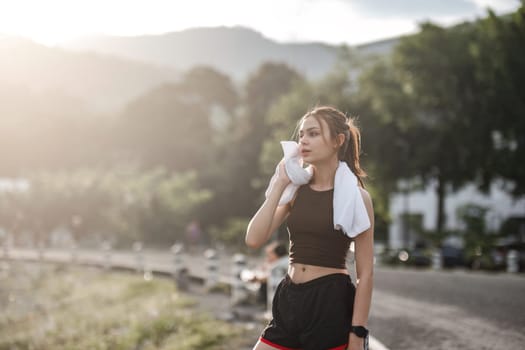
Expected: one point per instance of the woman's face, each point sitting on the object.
(315, 144)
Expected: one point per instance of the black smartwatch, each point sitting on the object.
(360, 331)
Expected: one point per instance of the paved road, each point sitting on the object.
(411, 309)
(448, 310)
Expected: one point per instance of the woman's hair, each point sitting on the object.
(339, 123)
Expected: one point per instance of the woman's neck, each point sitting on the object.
(324, 174)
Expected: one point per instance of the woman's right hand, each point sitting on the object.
(282, 175)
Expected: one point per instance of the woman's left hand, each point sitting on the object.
(355, 343)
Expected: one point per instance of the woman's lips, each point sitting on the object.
(305, 152)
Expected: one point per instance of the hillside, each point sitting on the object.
(102, 82)
(235, 51)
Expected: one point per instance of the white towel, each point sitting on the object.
(293, 164)
(350, 214)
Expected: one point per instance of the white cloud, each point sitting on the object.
(410, 9)
(497, 5)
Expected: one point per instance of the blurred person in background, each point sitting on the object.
(275, 256)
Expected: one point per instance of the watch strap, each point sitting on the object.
(360, 331)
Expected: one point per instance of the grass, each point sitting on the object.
(52, 307)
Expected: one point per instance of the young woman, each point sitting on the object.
(316, 306)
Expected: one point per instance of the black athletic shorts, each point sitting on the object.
(315, 315)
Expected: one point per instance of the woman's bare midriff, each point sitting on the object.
(301, 273)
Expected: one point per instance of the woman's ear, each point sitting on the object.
(340, 139)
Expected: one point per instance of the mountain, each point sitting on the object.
(235, 51)
(102, 74)
(101, 82)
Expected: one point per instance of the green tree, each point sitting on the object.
(386, 118)
(447, 107)
(211, 87)
(121, 205)
(164, 128)
(437, 72)
(500, 78)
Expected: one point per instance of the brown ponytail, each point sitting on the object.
(353, 150)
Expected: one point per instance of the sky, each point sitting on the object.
(52, 22)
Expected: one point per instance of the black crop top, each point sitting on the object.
(313, 239)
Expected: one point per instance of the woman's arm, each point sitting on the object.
(269, 216)
(364, 259)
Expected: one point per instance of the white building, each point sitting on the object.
(499, 204)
